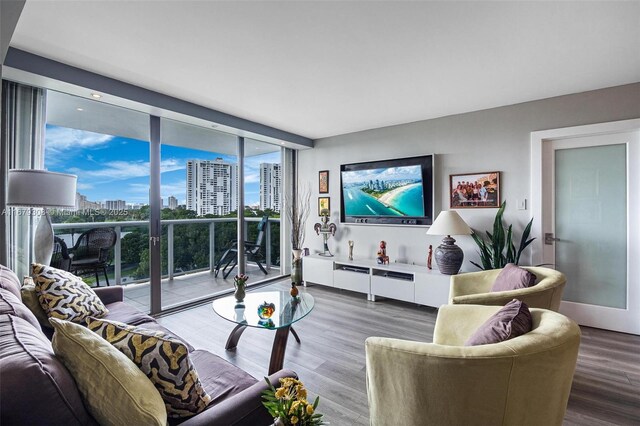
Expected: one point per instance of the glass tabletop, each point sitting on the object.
(284, 309)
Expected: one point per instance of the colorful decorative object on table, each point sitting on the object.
(267, 323)
(266, 309)
(382, 258)
(294, 291)
(350, 250)
(326, 229)
(288, 404)
(240, 284)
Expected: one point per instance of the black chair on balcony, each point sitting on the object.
(61, 258)
(92, 251)
(252, 250)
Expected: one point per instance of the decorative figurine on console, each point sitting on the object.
(383, 259)
(430, 256)
(325, 228)
(350, 250)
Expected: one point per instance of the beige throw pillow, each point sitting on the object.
(114, 390)
(30, 298)
(64, 296)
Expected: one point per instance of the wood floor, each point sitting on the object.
(331, 359)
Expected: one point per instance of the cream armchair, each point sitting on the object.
(523, 381)
(474, 288)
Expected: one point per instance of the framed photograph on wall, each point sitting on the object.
(474, 190)
(323, 181)
(323, 203)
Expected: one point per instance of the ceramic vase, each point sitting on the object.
(296, 267)
(240, 290)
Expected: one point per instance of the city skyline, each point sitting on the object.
(105, 174)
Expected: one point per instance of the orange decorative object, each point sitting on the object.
(294, 290)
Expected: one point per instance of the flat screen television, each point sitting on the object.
(390, 192)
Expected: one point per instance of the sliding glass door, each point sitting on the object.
(263, 203)
(107, 147)
(199, 191)
(173, 193)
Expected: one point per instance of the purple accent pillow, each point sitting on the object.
(512, 320)
(513, 277)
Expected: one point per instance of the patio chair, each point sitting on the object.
(252, 251)
(61, 258)
(91, 252)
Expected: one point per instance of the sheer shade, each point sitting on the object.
(40, 188)
(449, 223)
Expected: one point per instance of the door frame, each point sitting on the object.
(542, 213)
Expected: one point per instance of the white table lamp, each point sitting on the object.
(40, 188)
(449, 256)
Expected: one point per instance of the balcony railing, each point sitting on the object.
(170, 226)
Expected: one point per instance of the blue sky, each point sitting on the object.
(117, 168)
(389, 173)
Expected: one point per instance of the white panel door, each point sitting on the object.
(591, 190)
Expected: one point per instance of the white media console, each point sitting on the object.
(400, 281)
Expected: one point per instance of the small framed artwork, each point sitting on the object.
(323, 181)
(323, 203)
(474, 190)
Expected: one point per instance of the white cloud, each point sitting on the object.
(138, 188)
(177, 189)
(251, 177)
(121, 170)
(84, 186)
(59, 139)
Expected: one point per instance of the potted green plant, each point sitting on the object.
(499, 249)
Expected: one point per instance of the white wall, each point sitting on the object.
(488, 140)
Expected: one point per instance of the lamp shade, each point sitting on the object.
(41, 188)
(449, 223)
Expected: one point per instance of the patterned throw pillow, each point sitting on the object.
(64, 296)
(165, 360)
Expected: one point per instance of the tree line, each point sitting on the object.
(190, 241)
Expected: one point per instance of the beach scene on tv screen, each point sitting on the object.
(391, 191)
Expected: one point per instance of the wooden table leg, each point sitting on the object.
(279, 347)
(295, 335)
(232, 341)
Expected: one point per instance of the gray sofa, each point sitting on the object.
(37, 389)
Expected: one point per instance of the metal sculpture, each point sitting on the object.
(326, 229)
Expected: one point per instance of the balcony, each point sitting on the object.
(190, 250)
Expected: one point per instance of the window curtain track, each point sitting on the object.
(21, 147)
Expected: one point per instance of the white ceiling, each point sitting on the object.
(101, 117)
(322, 68)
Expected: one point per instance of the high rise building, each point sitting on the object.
(173, 202)
(115, 205)
(270, 184)
(212, 187)
(83, 204)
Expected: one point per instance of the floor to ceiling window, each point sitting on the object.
(114, 153)
(263, 176)
(199, 195)
(107, 148)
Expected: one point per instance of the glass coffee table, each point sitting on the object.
(286, 311)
